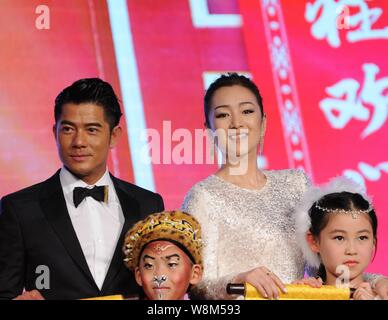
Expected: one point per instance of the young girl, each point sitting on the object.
(336, 226)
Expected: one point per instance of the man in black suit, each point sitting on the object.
(62, 238)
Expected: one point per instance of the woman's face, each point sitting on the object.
(236, 120)
(346, 242)
(165, 271)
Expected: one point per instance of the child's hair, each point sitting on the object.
(319, 203)
(325, 207)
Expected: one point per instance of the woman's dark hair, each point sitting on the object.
(90, 90)
(228, 80)
(338, 201)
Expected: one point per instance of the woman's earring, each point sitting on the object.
(261, 144)
(212, 150)
(210, 141)
(262, 134)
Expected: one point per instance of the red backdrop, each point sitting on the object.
(324, 82)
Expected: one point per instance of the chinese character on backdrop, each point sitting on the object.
(335, 16)
(348, 101)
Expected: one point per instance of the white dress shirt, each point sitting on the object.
(97, 224)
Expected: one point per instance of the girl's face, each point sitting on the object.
(236, 119)
(345, 241)
(165, 271)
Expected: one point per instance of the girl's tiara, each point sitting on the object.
(311, 198)
(354, 213)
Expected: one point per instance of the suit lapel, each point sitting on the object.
(54, 207)
(131, 211)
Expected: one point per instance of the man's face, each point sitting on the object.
(165, 271)
(83, 139)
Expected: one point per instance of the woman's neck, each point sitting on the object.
(244, 174)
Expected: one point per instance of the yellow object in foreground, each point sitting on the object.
(114, 297)
(302, 292)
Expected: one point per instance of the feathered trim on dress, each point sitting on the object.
(302, 217)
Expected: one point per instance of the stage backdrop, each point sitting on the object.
(320, 64)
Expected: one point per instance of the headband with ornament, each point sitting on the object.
(178, 227)
(311, 198)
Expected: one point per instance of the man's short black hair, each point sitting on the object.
(91, 90)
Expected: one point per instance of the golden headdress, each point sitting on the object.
(179, 227)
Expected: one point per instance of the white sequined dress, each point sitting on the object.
(243, 229)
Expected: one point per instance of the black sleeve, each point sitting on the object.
(160, 203)
(12, 260)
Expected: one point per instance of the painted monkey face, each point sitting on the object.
(165, 271)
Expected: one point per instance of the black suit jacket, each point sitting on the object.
(35, 230)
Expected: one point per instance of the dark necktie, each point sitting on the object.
(99, 193)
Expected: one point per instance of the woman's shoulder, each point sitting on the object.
(198, 197)
(204, 185)
(201, 188)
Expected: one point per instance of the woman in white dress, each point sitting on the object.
(246, 214)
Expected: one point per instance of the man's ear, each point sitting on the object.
(138, 276)
(115, 136)
(312, 242)
(196, 274)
